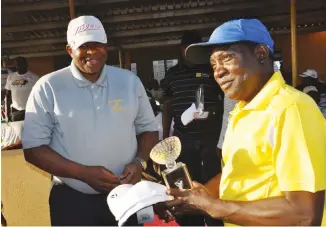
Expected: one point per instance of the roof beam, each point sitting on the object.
(157, 43)
(34, 27)
(185, 12)
(166, 29)
(133, 32)
(124, 46)
(141, 16)
(47, 5)
(32, 42)
(38, 54)
(300, 29)
(151, 44)
(159, 30)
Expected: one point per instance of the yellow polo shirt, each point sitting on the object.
(275, 143)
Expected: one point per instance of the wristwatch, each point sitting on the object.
(142, 162)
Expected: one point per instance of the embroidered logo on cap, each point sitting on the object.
(87, 27)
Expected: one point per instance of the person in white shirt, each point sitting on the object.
(11, 135)
(18, 87)
(155, 90)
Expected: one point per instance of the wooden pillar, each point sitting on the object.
(72, 9)
(127, 60)
(294, 43)
(121, 58)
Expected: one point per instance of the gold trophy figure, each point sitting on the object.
(175, 175)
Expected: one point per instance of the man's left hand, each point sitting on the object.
(191, 201)
(131, 174)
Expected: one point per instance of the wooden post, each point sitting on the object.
(72, 9)
(294, 43)
(121, 58)
(127, 60)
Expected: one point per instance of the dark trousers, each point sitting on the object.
(69, 207)
(203, 164)
(17, 115)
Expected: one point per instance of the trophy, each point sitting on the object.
(200, 114)
(200, 99)
(175, 175)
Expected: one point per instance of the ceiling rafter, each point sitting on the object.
(48, 5)
(141, 16)
(186, 25)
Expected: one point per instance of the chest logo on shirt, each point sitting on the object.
(21, 82)
(202, 75)
(116, 106)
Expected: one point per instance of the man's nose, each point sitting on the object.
(219, 72)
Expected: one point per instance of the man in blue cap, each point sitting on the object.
(274, 152)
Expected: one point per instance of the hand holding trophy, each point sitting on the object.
(175, 175)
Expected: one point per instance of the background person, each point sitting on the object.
(18, 87)
(310, 84)
(199, 138)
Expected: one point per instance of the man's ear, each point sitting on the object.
(69, 50)
(262, 53)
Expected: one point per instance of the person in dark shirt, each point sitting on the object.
(199, 138)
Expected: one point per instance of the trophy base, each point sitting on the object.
(178, 177)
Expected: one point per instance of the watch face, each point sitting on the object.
(142, 163)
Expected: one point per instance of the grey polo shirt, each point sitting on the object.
(93, 124)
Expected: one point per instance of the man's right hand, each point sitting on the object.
(99, 178)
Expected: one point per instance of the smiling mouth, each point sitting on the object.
(226, 85)
(92, 61)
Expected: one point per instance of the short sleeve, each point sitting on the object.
(39, 123)
(145, 119)
(300, 152)
(8, 83)
(35, 78)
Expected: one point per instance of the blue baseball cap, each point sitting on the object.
(233, 31)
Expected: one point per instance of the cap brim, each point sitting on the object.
(89, 38)
(141, 205)
(307, 76)
(200, 53)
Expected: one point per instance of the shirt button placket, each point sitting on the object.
(96, 97)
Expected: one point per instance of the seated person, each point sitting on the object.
(11, 133)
